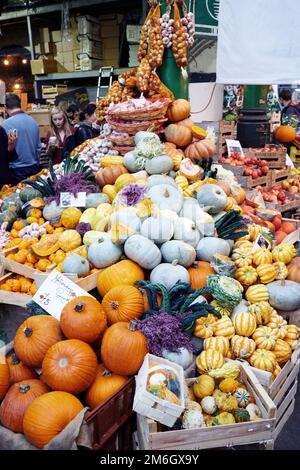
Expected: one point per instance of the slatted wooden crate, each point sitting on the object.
(280, 175)
(226, 132)
(13, 298)
(282, 390)
(293, 204)
(276, 159)
(151, 437)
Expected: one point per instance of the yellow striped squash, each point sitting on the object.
(219, 343)
(262, 312)
(240, 243)
(262, 256)
(292, 332)
(224, 327)
(246, 275)
(278, 324)
(282, 351)
(257, 293)
(294, 343)
(276, 371)
(266, 272)
(281, 270)
(209, 360)
(244, 323)
(254, 230)
(242, 256)
(284, 252)
(264, 337)
(224, 311)
(112, 160)
(242, 346)
(263, 359)
(204, 326)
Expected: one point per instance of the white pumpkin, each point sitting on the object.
(178, 250)
(159, 165)
(186, 230)
(253, 411)
(141, 175)
(130, 161)
(128, 218)
(166, 196)
(183, 357)
(191, 209)
(168, 274)
(103, 253)
(208, 246)
(209, 405)
(154, 180)
(212, 197)
(142, 251)
(144, 135)
(93, 236)
(158, 229)
(171, 215)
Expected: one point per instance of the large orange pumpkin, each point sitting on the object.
(4, 376)
(16, 401)
(83, 318)
(109, 175)
(124, 272)
(103, 387)
(123, 348)
(123, 303)
(285, 134)
(69, 366)
(48, 415)
(34, 337)
(179, 135)
(204, 148)
(198, 273)
(18, 372)
(178, 110)
(186, 123)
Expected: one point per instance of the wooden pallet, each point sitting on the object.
(151, 437)
(275, 160)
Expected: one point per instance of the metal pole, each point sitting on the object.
(32, 52)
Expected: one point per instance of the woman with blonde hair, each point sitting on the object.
(59, 139)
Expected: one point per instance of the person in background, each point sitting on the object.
(88, 129)
(60, 138)
(24, 134)
(7, 155)
(289, 107)
(73, 115)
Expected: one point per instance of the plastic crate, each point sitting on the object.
(114, 420)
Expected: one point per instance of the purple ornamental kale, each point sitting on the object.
(131, 194)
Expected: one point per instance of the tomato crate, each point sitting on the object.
(114, 421)
(249, 183)
(13, 298)
(275, 155)
(152, 437)
(279, 175)
(282, 390)
(226, 131)
(294, 204)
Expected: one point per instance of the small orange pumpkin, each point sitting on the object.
(18, 372)
(204, 148)
(4, 376)
(109, 175)
(178, 110)
(123, 303)
(179, 135)
(285, 134)
(103, 387)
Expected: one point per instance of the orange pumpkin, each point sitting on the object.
(123, 303)
(34, 337)
(285, 134)
(178, 110)
(109, 175)
(48, 415)
(294, 272)
(186, 123)
(103, 387)
(4, 376)
(83, 318)
(288, 227)
(179, 135)
(69, 366)
(146, 301)
(16, 401)
(18, 372)
(204, 148)
(198, 273)
(124, 272)
(123, 348)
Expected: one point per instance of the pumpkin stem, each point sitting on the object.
(27, 332)
(175, 262)
(166, 193)
(24, 388)
(132, 326)
(15, 361)
(114, 305)
(106, 373)
(79, 307)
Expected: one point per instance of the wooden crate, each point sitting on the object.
(13, 298)
(226, 132)
(275, 159)
(249, 183)
(52, 91)
(279, 175)
(152, 438)
(282, 390)
(294, 204)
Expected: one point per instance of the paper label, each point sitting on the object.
(69, 200)
(261, 242)
(55, 292)
(234, 146)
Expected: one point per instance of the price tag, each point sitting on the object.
(234, 146)
(261, 242)
(69, 200)
(55, 292)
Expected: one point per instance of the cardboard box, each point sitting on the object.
(111, 54)
(67, 57)
(68, 46)
(110, 31)
(133, 32)
(90, 64)
(88, 26)
(43, 66)
(56, 36)
(59, 47)
(111, 43)
(48, 48)
(69, 66)
(45, 35)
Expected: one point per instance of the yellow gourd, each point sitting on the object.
(69, 240)
(70, 217)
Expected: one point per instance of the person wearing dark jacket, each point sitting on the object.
(7, 155)
(290, 108)
(88, 129)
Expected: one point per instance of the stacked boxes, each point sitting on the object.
(110, 34)
(133, 32)
(90, 54)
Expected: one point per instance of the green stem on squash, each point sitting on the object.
(24, 388)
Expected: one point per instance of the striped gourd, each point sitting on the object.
(246, 275)
(292, 332)
(282, 351)
(243, 244)
(244, 323)
(111, 160)
(218, 343)
(281, 270)
(264, 337)
(242, 346)
(263, 359)
(254, 230)
(224, 311)
(242, 256)
(276, 371)
(284, 252)
(224, 327)
(209, 360)
(257, 293)
(262, 256)
(294, 343)
(229, 204)
(205, 326)
(262, 312)
(279, 325)
(242, 396)
(266, 272)
(182, 182)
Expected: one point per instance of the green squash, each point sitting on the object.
(76, 264)
(223, 418)
(8, 216)
(28, 193)
(241, 415)
(14, 205)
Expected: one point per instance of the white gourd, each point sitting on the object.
(208, 246)
(103, 253)
(154, 180)
(178, 250)
(171, 215)
(142, 251)
(166, 197)
(158, 229)
(191, 209)
(186, 230)
(130, 162)
(159, 165)
(128, 218)
(209, 405)
(183, 357)
(168, 274)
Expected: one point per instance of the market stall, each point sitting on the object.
(152, 252)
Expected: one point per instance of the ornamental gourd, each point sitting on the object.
(242, 347)
(143, 251)
(224, 311)
(70, 217)
(242, 257)
(281, 270)
(284, 252)
(279, 325)
(203, 386)
(229, 404)
(224, 327)
(125, 272)
(242, 396)
(123, 348)
(282, 351)
(228, 385)
(262, 256)
(241, 415)
(34, 337)
(69, 366)
(218, 343)
(265, 337)
(208, 405)
(83, 318)
(223, 418)
(292, 332)
(204, 326)
(244, 323)
(247, 275)
(266, 272)
(209, 360)
(69, 240)
(178, 135)
(123, 303)
(17, 400)
(257, 293)
(103, 387)
(48, 415)
(263, 359)
(262, 312)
